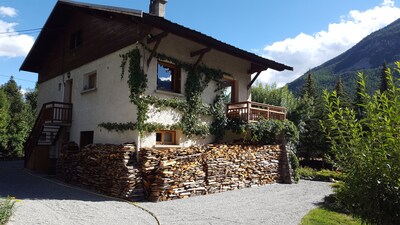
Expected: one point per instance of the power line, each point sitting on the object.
(2, 75)
(22, 31)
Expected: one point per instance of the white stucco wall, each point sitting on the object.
(109, 102)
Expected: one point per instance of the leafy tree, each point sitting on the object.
(17, 128)
(4, 120)
(271, 94)
(369, 157)
(360, 99)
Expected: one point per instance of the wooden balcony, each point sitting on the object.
(254, 111)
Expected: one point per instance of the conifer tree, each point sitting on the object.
(309, 87)
(384, 82)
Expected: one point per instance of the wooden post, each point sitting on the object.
(248, 111)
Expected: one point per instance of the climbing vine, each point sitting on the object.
(191, 108)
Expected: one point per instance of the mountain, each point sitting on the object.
(367, 56)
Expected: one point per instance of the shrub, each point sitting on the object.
(367, 149)
(294, 162)
(306, 173)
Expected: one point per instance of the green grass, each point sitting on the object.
(322, 216)
(6, 209)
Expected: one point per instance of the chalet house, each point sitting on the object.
(116, 75)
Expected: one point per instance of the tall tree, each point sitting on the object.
(341, 93)
(384, 82)
(17, 128)
(309, 87)
(4, 120)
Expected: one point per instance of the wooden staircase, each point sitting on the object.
(52, 118)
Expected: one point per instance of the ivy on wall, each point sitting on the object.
(191, 108)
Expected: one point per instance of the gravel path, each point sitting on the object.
(271, 204)
(48, 202)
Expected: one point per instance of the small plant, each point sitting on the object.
(6, 209)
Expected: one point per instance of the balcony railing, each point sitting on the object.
(254, 111)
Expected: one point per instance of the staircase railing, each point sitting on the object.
(51, 113)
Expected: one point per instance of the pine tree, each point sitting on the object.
(309, 87)
(341, 93)
(384, 82)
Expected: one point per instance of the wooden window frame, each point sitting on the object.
(176, 77)
(163, 142)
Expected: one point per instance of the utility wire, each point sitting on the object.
(2, 75)
(22, 31)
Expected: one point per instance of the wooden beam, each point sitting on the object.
(254, 68)
(253, 80)
(200, 53)
(157, 38)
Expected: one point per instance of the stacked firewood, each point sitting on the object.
(172, 173)
(108, 169)
(180, 173)
(232, 167)
(68, 162)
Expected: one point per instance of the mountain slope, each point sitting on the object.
(366, 56)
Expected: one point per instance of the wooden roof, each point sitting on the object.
(59, 17)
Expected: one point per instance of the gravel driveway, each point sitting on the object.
(47, 202)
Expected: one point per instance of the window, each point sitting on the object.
(166, 137)
(168, 77)
(75, 40)
(230, 90)
(86, 138)
(89, 81)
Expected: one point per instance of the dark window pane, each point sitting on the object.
(158, 137)
(86, 138)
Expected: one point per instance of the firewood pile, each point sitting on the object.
(181, 173)
(108, 169)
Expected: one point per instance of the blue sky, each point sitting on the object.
(302, 34)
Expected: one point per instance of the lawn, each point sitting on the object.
(322, 216)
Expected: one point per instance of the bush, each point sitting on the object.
(308, 173)
(367, 149)
(294, 162)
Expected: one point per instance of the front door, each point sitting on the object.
(68, 91)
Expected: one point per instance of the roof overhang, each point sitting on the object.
(57, 19)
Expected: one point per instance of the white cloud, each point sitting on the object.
(12, 43)
(8, 11)
(306, 51)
